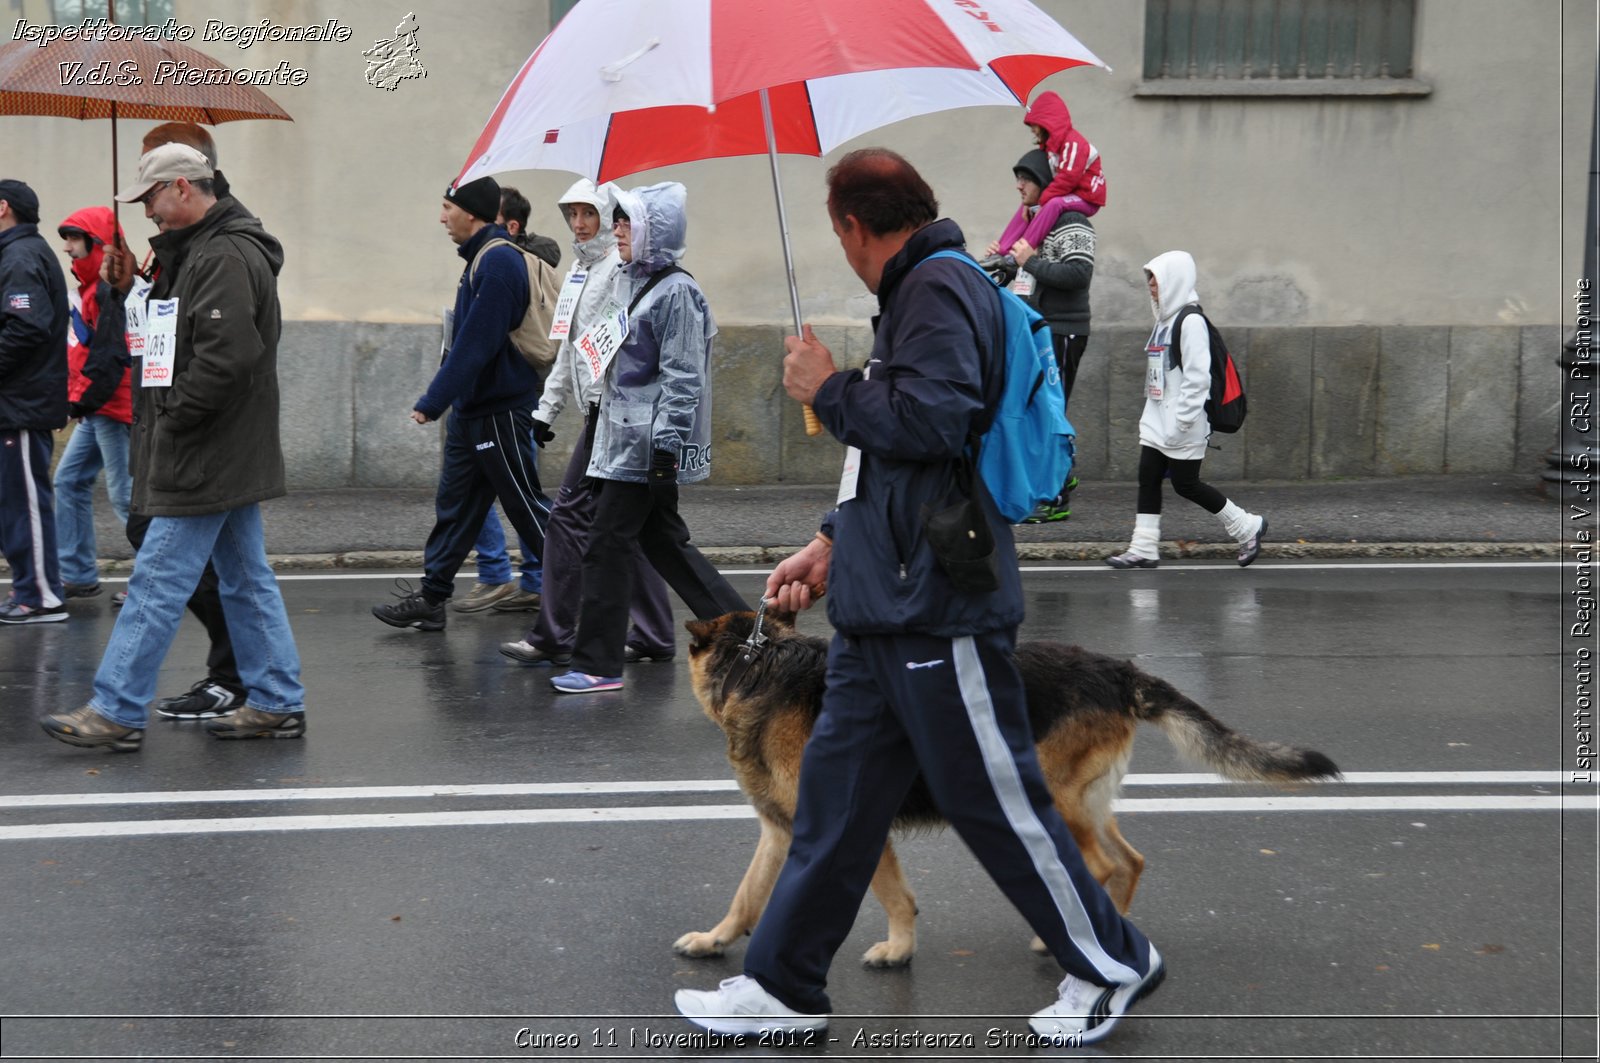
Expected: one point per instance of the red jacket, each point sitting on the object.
(98, 376)
(1077, 163)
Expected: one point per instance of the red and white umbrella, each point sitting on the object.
(621, 86)
(627, 85)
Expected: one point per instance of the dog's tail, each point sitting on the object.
(1202, 737)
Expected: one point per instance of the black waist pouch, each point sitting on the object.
(960, 536)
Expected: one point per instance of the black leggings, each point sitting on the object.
(1185, 480)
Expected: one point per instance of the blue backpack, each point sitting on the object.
(1025, 453)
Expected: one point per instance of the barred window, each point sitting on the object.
(1269, 47)
(559, 9)
(129, 12)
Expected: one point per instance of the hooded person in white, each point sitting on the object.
(1173, 429)
(597, 258)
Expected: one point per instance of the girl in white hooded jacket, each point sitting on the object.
(1174, 429)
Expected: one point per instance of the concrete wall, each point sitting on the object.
(1324, 402)
(1393, 270)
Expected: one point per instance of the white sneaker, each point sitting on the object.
(740, 1006)
(1084, 1013)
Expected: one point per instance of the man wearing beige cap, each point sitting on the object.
(205, 454)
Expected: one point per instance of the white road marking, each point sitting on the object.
(1081, 568)
(685, 813)
(667, 786)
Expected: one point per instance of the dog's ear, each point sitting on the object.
(782, 619)
(701, 632)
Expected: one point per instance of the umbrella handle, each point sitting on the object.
(813, 426)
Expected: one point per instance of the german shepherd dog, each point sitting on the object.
(1084, 708)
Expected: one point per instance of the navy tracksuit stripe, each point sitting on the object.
(896, 705)
(27, 517)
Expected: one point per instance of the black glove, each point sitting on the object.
(77, 410)
(664, 474)
(542, 433)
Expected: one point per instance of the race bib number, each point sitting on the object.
(567, 303)
(135, 307)
(1155, 373)
(1023, 285)
(160, 343)
(852, 461)
(600, 343)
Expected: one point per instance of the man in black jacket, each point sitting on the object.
(1054, 278)
(33, 403)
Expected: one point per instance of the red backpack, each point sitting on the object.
(1225, 406)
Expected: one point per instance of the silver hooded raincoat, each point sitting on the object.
(657, 390)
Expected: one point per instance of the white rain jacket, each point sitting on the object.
(1176, 424)
(656, 394)
(599, 258)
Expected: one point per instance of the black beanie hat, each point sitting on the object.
(1035, 166)
(480, 198)
(24, 203)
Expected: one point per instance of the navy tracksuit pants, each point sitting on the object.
(28, 517)
(954, 710)
(484, 458)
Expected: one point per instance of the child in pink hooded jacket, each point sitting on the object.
(1077, 185)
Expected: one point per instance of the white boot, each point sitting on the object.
(1247, 529)
(1145, 549)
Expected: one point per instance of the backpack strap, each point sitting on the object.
(990, 402)
(1175, 338)
(655, 278)
(498, 241)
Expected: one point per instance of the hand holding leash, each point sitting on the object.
(800, 580)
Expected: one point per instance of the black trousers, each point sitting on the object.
(1069, 352)
(625, 514)
(1153, 465)
(484, 458)
(206, 605)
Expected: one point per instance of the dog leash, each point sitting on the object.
(749, 653)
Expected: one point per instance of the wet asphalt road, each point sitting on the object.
(332, 898)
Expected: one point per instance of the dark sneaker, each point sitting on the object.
(412, 610)
(87, 728)
(119, 599)
(520, 602)
(14, 612)
(205, 700)
(1049, 513)
(1250, 549)
(1131, 560)
(739, 1006)
(584, 683)
(482, 596)
(526, 652)
(1085, 1013)
(636, 655)
(248, 722)
(81, 590)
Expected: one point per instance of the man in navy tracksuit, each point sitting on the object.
(33, 403)
(920, 673)
(488, 449)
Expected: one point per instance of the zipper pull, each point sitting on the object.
(902, 570)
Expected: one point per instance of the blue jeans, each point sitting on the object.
(165, 574)
(98, 442)
(494, 564)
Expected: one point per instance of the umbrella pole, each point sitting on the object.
(813, 426)
(116, 219)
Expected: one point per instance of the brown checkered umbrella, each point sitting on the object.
(44, 81)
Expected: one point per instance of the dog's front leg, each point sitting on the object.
(748, 901)
(900, 904)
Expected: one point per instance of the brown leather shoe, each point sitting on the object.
(251, 722)
(87, 728)
(482, 596)
(520, 602)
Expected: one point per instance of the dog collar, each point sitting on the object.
(749, 653)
